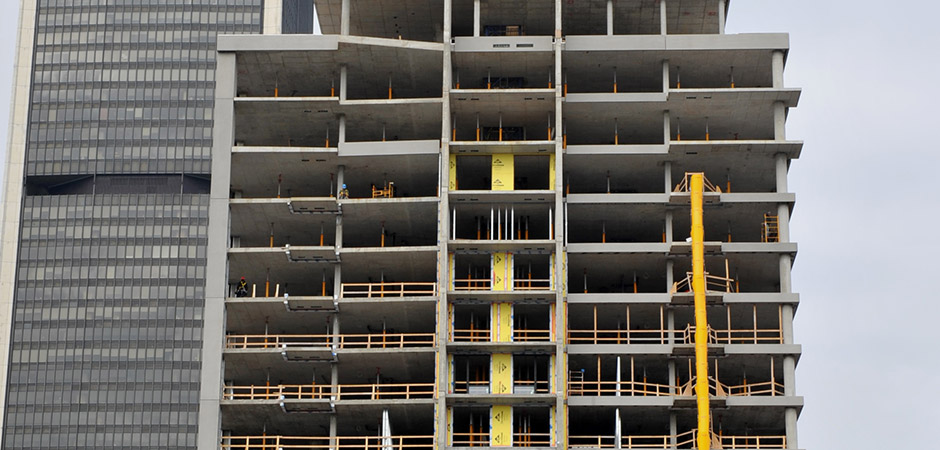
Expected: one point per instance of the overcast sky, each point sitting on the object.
(867, 205)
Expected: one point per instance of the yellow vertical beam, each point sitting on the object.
(453, 172)
(551, 172)
(697, 189)
(501, 426)
(501, 381)
(503, 178)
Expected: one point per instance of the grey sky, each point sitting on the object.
(867, 203)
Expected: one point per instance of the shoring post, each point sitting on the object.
(267, 283)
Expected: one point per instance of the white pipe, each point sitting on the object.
(618, 376)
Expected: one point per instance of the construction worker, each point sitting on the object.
(242, 289)
(343, 193)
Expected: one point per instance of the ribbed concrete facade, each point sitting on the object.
(507, 265)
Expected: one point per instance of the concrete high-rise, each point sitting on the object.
(106, 219)
(463, 223)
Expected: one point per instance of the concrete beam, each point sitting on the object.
(217, 254)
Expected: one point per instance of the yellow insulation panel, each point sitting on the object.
(501, 271)
(501, 381)
(501, 426)
(502, 322)
(503, 172)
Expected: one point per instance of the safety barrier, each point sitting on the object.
(612, 388)
(473, 284)
(529, 439)
(471, 335)
(619, 336)
(638, 441)
(473, 439)
(379, 290)
(412, 391)
(324, 443)
(713, 283)
(683, 185)
(719, 389)
(740, 336)
(532, 335)
(532, 386)
(683, 440)
(345, 341)
(529, 284)
(466, 387)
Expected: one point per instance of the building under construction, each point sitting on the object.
(485, 223)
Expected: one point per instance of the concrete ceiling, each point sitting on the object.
(298, 120)
(307, 172)
(416, 71)
(421, 20)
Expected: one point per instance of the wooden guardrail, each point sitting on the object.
(412, 391)
(327, 443)
(380, 290)
(327, 341)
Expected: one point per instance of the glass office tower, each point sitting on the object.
(109, 260)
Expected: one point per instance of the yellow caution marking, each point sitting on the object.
(502, 374)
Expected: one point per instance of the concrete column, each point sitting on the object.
(780, 121)
(216, 287)
(667, 176)
(786, 323)
(667, 124)
(333, 431)
(789, 375)
(722, 11)
(344, 18)
(671, 325)
(672, 373)
(673, 430)
(781, 165)
(340, 179)
(273, 16)
(783, 222)
(785, 287)
(666, 86)
(669, 239)
(443, 325)
(343, 76)
(783, 209)
(662, 17)
(342, 130)
(610, 17)
(476, 18)
(778, 69)
(791, 416)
